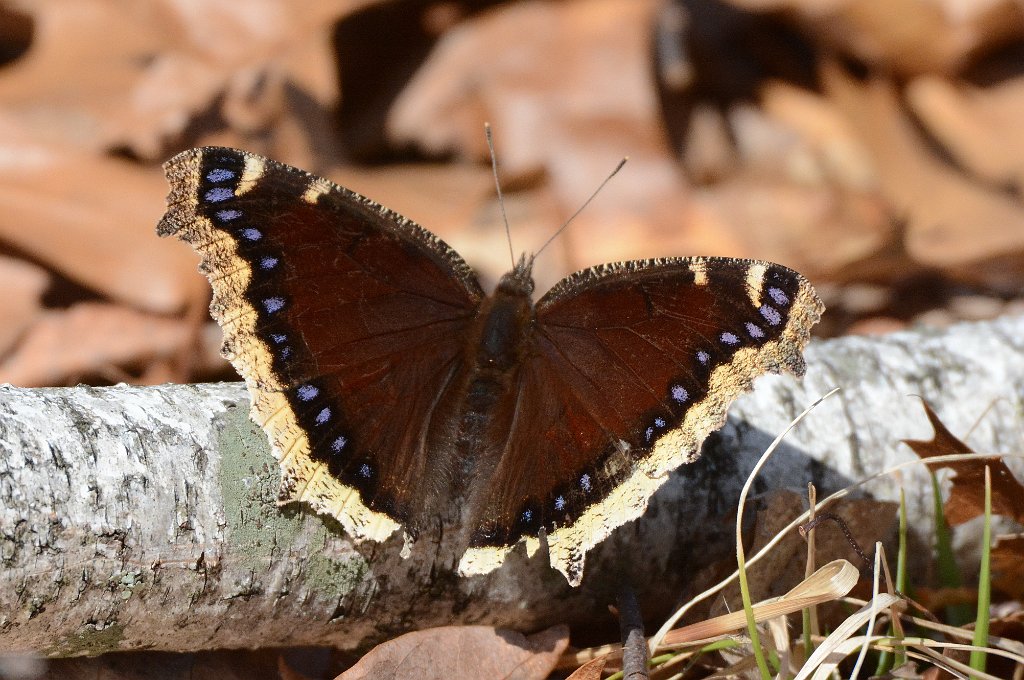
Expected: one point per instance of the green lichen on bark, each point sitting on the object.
(261, 530)
(89, 641)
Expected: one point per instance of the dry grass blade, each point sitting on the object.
(879, 562)
(832, 651)
(1013, 648)
(925, 651)
(741, 560)
(672, 620)
(920, 649)
(830, 582)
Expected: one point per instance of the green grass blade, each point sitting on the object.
(748, 608)
(888, 660)
(948, 570)
(984, 581)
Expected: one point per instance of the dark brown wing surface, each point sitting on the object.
(632, 365)
(344, 318)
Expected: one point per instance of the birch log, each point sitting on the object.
(145, 518)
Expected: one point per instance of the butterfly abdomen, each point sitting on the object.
(480, 406)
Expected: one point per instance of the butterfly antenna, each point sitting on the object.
(497, 185)
(585, 204)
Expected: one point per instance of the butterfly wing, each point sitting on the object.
(632, 365)
(343, 318)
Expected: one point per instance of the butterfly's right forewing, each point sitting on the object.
(344, 319)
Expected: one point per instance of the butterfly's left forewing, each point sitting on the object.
(344, 319)
(631, 366)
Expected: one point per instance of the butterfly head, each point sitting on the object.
(519, 281)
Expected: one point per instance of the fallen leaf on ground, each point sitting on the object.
(903, 36)
(589, 671)
(1008, 565)
(457, 652)
(23, 284)
(967, 495)
(91, 219)
(943, 208)
(102, 74)
(91, 340)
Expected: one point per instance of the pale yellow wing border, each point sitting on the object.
(302, 478)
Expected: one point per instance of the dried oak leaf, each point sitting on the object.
(91, 340)
(589, 671)
(952, 221)
(967, 495)
(23, 285)
(569, 91)
(977, 125)
(104, 73)
(903, 36)
(1008, 565)
(456, 652)
(91, 219)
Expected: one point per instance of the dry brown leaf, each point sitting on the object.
(979, 126)
(23, 285)
(1008, 565)
(82, 63)
(803, 192)
(92, 219)
(589, 671)
(89, 340)
(533, 70)
(838, 153)
(904, 36)
(457, 652)
(110, 73)
(952, 222)
(569, 91)
(967, 495)
(813, 229)
(937, 599)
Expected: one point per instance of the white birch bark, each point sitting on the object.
(145, 518)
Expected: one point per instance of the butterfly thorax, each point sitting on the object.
(484, 409)
(495, 350)
(504, 323)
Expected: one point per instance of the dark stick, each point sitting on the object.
(804, 529)
(631, 627)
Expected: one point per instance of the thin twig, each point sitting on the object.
(805, 529)
(631, 627)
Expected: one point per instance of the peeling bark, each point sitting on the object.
(145, 518)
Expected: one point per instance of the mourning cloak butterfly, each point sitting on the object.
(390, 385)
